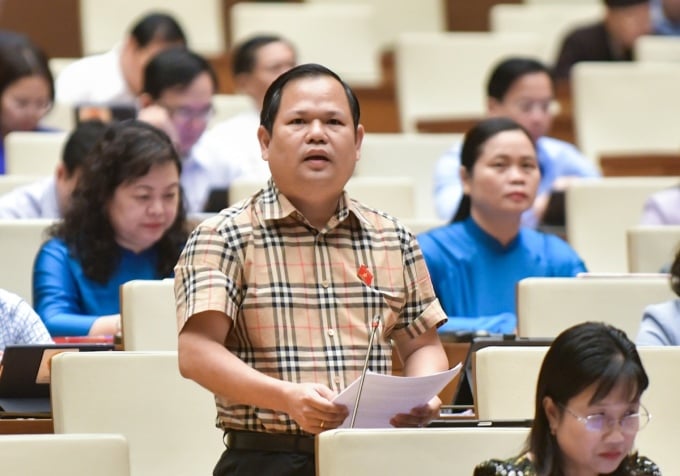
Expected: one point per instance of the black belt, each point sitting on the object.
(277, 442)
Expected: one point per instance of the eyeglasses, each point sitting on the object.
(629, 424)
(25, 105)
(186, 114)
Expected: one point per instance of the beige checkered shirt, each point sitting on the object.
(301, 300)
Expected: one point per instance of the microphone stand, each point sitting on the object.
(375, 324)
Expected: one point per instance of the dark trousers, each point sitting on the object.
(235, 462)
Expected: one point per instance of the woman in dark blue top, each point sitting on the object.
(26, 87)
(126, 221)
(476, 262)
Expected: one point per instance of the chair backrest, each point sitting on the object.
(406, 155)
(506, 387)
(362, 452)
(148, 315)
(651, 248)
(339, 35)
(547, 306)
(598, 213)
(427, 63)
(392, 17)
(553, 21)
(167, 420)
(20, 241)
(102, 23)
(394, 195)
(657, 48)
(33, 153)
(65, 455)
(644, 122)
(497, 369)
(61, 117)
(229, 105)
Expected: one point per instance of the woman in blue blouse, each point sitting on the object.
(126, 221)
(476, 262)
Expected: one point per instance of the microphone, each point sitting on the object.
(375, 324)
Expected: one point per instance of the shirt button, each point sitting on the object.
(331, 332)
(337, 380)
(325, 284)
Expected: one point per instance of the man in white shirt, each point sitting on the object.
(49, 197)
(115, 77)
(256, 63)
(177, 98)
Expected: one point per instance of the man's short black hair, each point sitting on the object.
(80, 143)
(272, 99)
(157, 27)
(174, 67)
(243, 57)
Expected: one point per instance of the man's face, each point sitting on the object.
(529, 102)
(271, 60)
(627, 24)
(190, 109)
(65, 183)
(313, 147)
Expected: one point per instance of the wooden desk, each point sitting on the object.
(17, 426)
(640, 165)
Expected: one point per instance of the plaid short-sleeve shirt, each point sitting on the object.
(302, 301)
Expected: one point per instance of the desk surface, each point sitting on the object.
(16, 426)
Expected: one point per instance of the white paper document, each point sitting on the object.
(383, 396)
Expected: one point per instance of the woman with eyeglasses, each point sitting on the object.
(588, 409)
(26, 87)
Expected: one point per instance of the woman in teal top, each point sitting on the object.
(588, 409)
(126, 221)
(476, 262)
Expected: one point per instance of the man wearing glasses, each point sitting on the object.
(177, 98)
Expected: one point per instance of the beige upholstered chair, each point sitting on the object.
(20, 241)
(644, 122)
(553, 21)
(506, 377)
(148, 315)
(229, 105)
(547, 306)
(65, 455)
(406, 155)
(168, 421)
(598, 213)
(657, 48)
(33, 153)
(430, 78)
(362, 452)
(340, 35)
(11, 181)
(651, 248)
(104, 24)
(393, 17)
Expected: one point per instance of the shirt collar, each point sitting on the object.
(276, 206)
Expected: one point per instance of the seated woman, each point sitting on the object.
(588, 409)
(661, 322)
(126, 221)
(476, 262)
(26, 87)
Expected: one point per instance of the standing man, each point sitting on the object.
(276, 297)
(256, 63)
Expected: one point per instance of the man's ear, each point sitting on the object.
(493, 106)
(265, 138)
